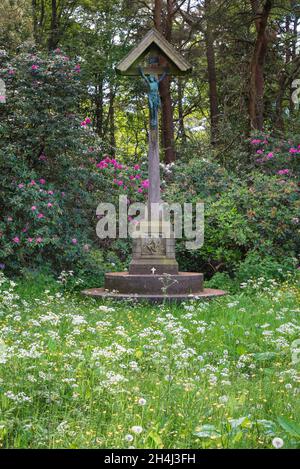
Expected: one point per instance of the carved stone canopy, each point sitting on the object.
(153, 46)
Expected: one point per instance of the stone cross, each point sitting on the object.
(153, 58)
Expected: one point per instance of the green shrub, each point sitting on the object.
(257, 214)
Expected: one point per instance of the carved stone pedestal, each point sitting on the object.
(154, 252)
(153, 272)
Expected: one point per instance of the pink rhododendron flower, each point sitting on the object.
(136, 167)
(77, 68)
(131, 177)
(255, 141)
(16, 239)
(140, 190)
(74, 241)
(282, 172)
(85, 122)
(57, 51)
(29, 240)
(32, 182)
(40, 215)
(49, 204)
(11, 71)
(137, 176)
(20, 186)
(34, 67)
(293, 150)
(145, 183)
(9, 219)
(102, 165)
(270, 155)
(42, 157)
(259, 152)
(42, 181)
(33, 208)
(120, 183)
(39, 240)
(50, 192)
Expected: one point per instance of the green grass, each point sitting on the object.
(79, 373)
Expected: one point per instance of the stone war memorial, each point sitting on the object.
(153, 272)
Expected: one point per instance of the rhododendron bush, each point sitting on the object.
(275, 155)
(53, 170)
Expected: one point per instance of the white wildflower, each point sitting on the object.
(277, 443)
(137, 429)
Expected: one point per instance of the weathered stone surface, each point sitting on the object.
(153, 251)
(161, 265)
(183, 283)
(206, 294)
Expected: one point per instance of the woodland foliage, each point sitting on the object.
(73, 133)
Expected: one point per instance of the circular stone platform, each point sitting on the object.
(125, 286)
(182, 283)
(206, 294)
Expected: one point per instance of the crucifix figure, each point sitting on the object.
(153, 95)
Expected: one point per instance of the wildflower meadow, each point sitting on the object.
(77, 373)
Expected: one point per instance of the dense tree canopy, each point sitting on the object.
(244, 54)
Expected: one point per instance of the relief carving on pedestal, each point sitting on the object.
(153, 247)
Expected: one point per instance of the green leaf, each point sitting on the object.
(265, 356)
(156, 439)
(268, 426)
(238, 437)
(243, 422)
(207, 431)
(290, 427)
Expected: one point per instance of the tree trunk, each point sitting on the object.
(34, 19)
(181, 128)
(294, 48)
(38, 19)
(256, 88)
(158, 15)
(99, 107)
(212, 76)
(165, 27)
(112, 137)
(53, 37)
(279, 123)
